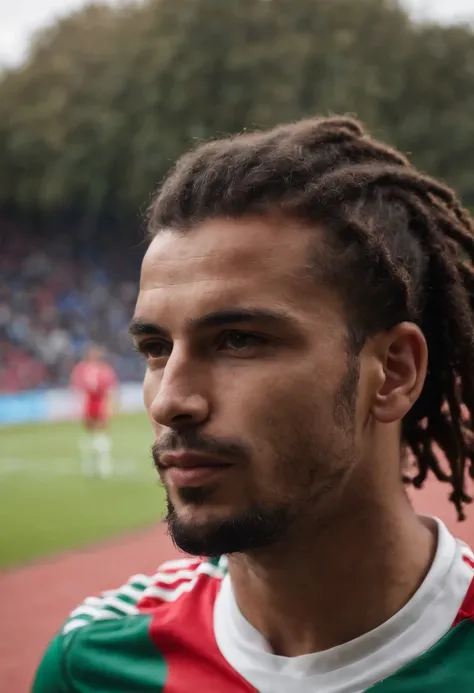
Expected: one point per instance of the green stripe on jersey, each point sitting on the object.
(448, 667)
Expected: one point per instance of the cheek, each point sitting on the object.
(284, 409)
(291, 389)
(293, 407)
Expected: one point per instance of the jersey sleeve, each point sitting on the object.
(112, 642)
(50, 675)
(108, 608)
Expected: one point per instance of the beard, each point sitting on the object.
(254, 529)
(262, 525)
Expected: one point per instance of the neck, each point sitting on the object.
(325, 587)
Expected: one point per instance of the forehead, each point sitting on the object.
(227, 262)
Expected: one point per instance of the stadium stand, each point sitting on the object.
(55, 298)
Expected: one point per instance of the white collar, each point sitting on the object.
(357, 665)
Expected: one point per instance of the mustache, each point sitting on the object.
(192, 440)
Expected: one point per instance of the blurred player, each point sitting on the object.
(96, 380)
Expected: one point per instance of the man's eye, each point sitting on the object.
(238, 341)
(154, 350)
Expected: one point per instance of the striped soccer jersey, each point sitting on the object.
(181, 631)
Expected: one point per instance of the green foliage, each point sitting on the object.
(109, 98)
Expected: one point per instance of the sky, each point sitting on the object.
(20, 18)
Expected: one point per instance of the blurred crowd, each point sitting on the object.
(53, 303)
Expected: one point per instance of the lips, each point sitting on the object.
(191, 469)
(189, 460)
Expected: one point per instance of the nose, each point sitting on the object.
(176, 397)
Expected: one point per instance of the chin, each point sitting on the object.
(212, 531)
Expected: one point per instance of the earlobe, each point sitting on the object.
(404, 357)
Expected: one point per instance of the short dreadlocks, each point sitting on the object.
(401, 247)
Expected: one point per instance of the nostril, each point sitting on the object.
(182, 418)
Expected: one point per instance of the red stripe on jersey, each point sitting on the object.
(148, 604)
(468, 560)
(183, 633)
(151, 601)
(171, 586)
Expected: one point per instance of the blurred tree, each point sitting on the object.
(108, 98)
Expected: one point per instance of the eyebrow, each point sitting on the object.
(139, 327)
(142, 328)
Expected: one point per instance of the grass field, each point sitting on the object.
(46, 506)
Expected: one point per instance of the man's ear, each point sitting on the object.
(403, 357)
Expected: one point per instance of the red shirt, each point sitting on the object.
(95, 379)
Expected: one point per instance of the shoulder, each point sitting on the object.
(172, 581)
(130, 620)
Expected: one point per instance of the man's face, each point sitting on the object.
(249, 386)
(94, 354)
